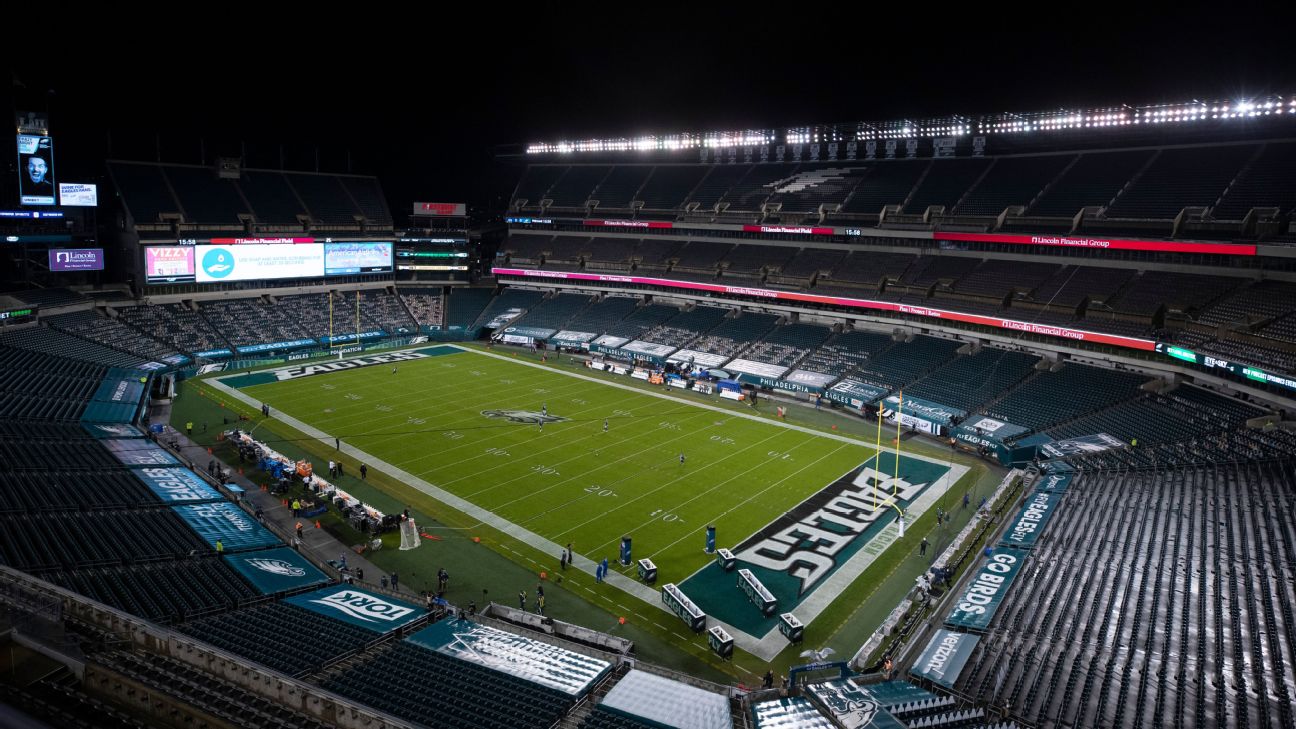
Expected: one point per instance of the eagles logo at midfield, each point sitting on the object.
(522, 416)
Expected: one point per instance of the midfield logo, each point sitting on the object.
(523, 416)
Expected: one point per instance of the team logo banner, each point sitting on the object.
(976, 607)
(850, 706)
(358, 607)
(944, 657)
(794, 555)
(1096, 443)
(135, 452)
(276, 570)
(177, 485)
(112, 430)
(227, 523)
(531, 660)
(1031, 520)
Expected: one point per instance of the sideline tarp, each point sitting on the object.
(516, 655)
(276, 570)
(855, 393)
(851, 706)
(666, 702)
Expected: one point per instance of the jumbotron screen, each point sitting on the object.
(342, 259)
(257, 262)
(36, 184)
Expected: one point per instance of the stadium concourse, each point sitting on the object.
(1098, 315)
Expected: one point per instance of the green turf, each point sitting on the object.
(844, 625)
(570, 481)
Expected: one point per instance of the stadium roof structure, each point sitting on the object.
(1110, 117)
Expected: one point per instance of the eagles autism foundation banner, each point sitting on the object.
(235, 529)
(177, 485)
(360, 608)
(276, 570)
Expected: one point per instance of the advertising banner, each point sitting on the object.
(944, 657)
(515, 655)
(651, 349)
(796, 296)
(855, 393)
(276, 570)
(119, 390)
(1024, 530)
(223, 521)
(177, 485)
(168, 264)
(813, 379)
(441, 209)
(78, 195)
(760, 369)
(572, 339)
(356, 257)
(976, 607)
(532, 332)
(76, 259)
(36, 183)
(136, 452)
(360, 608)
(1113, 244)
(1080, 446)
(294, 344)
(925, 409)
(256, 262)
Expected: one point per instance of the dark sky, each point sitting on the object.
(421, 101)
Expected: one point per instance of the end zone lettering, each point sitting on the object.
(293, 373)
(807, 549)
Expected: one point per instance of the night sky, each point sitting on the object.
(423, 102)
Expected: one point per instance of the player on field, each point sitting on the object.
(681, 459)
(604, 425)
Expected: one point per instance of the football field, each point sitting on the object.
(570, 460)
